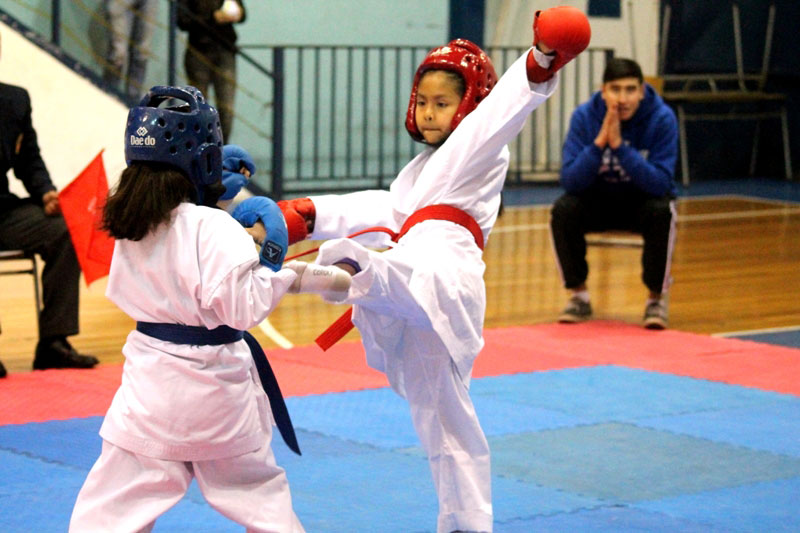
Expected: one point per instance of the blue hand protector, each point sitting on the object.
(234, 157)
(233, 182)
(261, 208)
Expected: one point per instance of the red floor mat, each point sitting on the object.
(61, 394)
(57, 394)
(738, 362)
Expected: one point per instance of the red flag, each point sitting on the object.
(82, 204)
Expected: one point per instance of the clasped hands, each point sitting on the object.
(611, 131)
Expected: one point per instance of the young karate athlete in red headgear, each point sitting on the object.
(420, 305)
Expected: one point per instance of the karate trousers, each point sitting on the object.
(449, 430)
(127, 492)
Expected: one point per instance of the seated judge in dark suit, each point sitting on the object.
(35, 224)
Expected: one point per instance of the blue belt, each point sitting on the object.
(199, 335)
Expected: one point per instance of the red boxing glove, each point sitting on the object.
(563, 29)
(300, 215)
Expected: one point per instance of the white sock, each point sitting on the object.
(583, 295)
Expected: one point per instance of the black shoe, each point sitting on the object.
(58, 353)
(576, 311)
(2, 370)
(655, 315)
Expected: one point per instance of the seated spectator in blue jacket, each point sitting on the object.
(618, 167)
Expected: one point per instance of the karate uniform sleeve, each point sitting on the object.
(654, 175)
(235, 286)
(581, 158)
(248, 294)
(345, 214)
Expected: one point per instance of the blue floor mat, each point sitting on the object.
(72, 442)
(625, 463)
(375, 416)
(602, 448)
(36, 495)
(601, 393)
(754, 508)
(768, 188)
(616, 519)
(772, 427)
(790, 339)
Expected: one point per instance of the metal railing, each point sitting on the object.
(342, 115)
(331, 118)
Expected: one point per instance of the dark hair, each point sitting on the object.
(144, 198)
(618, 68)
(455, 77)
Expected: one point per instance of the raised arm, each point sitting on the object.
(330, 216)
(559, 34)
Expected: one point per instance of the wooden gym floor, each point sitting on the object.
(735, 268)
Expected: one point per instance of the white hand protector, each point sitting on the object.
(328, 281)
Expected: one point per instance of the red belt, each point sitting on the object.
(344, 323)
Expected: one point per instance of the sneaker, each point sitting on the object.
(58, 353)
(576, 311)
(655, 315)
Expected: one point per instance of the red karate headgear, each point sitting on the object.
(467, 59)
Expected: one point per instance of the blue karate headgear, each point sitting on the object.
(187, 137)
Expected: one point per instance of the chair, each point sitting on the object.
(657, 82)
(727, 89)
(32, 269)
(615, 239)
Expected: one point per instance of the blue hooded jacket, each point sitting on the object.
(645, 160)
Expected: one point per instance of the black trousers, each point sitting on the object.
(573, 216)
(215, 67)
(24, 226)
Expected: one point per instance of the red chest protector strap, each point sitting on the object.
(344, 323)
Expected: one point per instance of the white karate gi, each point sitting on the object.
(420, 305)
(186, 411)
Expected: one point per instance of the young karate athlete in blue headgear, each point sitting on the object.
(420, 305)
(192, 402)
